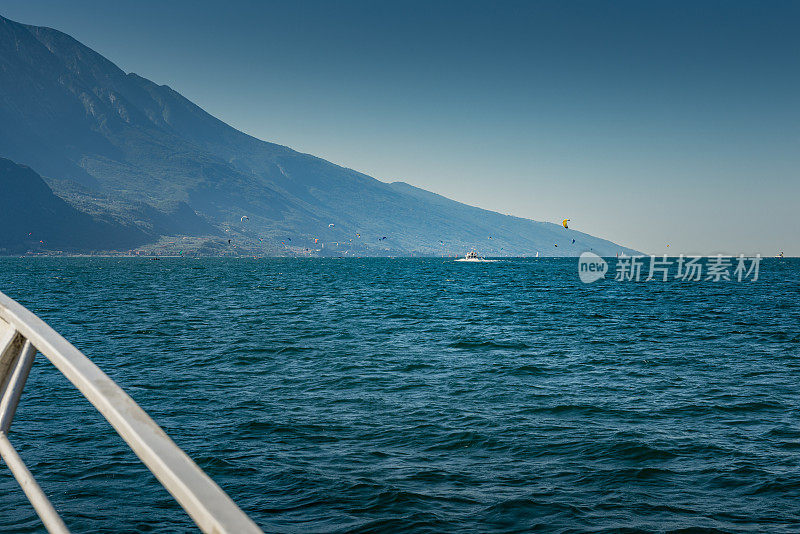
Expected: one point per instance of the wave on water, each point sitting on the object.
(377, 395)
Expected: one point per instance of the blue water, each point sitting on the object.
(413, 395)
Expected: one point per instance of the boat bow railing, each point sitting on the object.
(22, 336)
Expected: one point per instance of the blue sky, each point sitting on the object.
(643, 122)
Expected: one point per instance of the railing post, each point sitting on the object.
(14, 384)
(52, 521)
(16, 358)
(9, 347)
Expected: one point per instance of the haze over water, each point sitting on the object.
(377, 395)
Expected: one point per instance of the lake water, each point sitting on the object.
(419, 395)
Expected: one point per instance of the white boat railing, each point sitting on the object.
(22, 335)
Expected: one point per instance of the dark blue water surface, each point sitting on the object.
(419, 395)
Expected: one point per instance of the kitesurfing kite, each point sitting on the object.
(245, 218)
(564, 223)
(331, 225)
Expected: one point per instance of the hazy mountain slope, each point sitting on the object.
(502, 232)
(118, 145)
(33, 218)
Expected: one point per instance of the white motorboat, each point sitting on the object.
(473, 256)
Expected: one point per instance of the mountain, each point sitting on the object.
(33, 218)
(121, 148)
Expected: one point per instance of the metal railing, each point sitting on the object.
(22, 335)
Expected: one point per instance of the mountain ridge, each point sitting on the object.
(35, 219)
(109, 142)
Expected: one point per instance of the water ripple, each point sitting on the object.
(414, 395)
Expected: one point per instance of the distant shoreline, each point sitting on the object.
(266, 256)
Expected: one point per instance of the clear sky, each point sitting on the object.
(643, 122)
